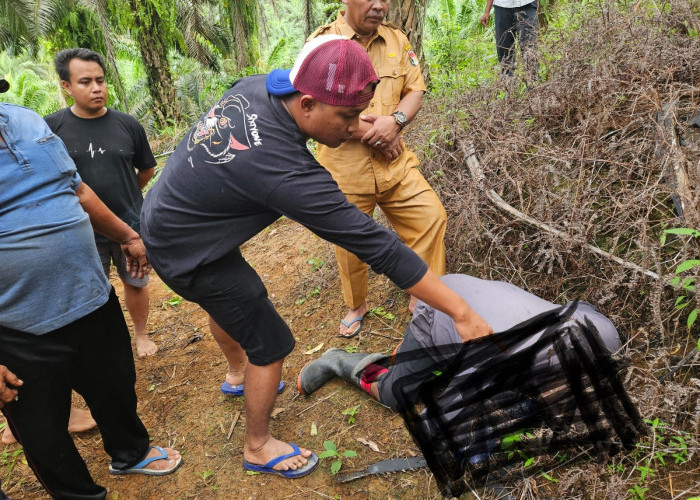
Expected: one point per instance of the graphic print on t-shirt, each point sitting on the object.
(92, 151)
(225, 129)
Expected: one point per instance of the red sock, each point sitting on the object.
(369, 375)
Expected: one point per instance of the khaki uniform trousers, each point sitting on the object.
(417, 216)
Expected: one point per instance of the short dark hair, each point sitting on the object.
(63, 59)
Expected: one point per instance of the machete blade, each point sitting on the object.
(385, 466)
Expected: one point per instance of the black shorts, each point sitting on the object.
(234, 295)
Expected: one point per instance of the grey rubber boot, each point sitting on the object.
(334, 363)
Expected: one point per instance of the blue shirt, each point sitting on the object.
(50, 273)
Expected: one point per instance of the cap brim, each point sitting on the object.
(278, 82)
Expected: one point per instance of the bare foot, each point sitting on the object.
(7, 436)
(412, 304)
(352, 318)
(80, 420)
(144, 346)
(272, 449)
(173, 457)
(234, 377)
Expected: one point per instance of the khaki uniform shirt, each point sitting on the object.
(355, 166)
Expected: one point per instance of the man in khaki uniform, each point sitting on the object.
(375, 167)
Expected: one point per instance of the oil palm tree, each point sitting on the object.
(23, 22)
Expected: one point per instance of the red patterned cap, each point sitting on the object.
(330, 68)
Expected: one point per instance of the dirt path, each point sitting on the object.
(182, 406)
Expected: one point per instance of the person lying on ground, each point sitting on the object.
(61, 325)
(431, 337)
(244, 164)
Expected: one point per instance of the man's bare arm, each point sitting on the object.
(435, 293)
(144, 176)
(487, 13)
(105, 222)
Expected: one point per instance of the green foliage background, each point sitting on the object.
(460, 53)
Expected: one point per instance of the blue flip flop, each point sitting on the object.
(350, 335)
(311, 464)
(140, 468)
(237, 390)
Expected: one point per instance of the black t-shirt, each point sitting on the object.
(239, 168)
(106, 151)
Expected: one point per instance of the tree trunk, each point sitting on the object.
(243, 19)
(308, 17)
(111, 60)
(543, 7)
(409, 15)
(154, 52)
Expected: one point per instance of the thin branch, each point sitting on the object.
(478, 175)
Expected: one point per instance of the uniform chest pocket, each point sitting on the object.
(53, 149)
(392, 82)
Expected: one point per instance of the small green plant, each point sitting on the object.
(316, 292)
(206, 477)
(381, 313)
(680, 447)
(615, 468)
(549, 478)
(316, 263)
(8, 459)
(173, 301)
(687, 283)
(351, 349)
(330, 450)
(649, 457)
(351, 412)
(511, 444)
(637, 492)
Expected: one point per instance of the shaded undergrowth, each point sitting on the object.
(590, 157)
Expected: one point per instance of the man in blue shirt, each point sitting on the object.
(8, 389)
(61, 325)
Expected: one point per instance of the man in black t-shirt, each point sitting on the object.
(114, 158)
(244, 164)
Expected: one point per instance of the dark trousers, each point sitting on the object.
(92, 356)
(520, 22)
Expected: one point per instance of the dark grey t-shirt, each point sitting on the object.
(107, 150)
(239, 168)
